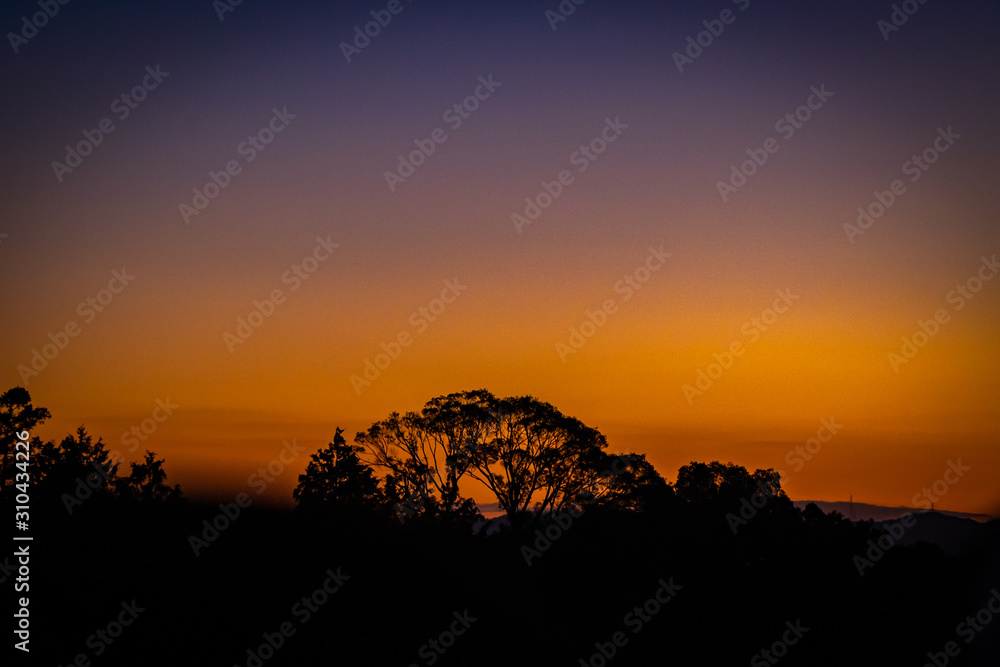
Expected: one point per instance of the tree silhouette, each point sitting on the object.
(630, 482)
(717, 482)
(337, 480)
(78, 467)
(638, 527)
(76, 460)
(533, 458)
(425, 456)
(17, 415)
(146, 482)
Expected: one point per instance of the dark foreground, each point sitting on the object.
(674, 586)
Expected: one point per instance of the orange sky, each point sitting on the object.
(323, 177)
(826, 357)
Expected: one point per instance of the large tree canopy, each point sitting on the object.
(533, 458)
(425, 457)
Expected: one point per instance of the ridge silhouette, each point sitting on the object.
(362, 573)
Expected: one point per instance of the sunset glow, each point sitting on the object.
(310, 267)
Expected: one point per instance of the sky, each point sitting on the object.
(647, 216)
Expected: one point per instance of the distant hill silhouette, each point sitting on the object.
(864, 511)
(956, 536)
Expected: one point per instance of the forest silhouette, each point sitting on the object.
(594, 558)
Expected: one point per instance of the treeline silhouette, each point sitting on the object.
(77, 468)
(385, 561)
